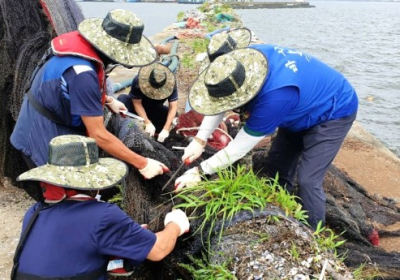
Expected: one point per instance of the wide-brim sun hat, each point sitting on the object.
(224, 42)
(231, 81)
(73, 162)
(120, 37)
(156, 81)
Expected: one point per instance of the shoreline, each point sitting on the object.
(234, 5)
(362, 156)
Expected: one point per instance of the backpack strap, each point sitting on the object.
(21, 242)
(39, 107)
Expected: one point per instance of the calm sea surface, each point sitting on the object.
(360, 39)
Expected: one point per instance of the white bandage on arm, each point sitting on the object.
(236, 149)
(208, 125)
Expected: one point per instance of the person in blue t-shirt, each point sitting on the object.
(68, 92)
(151, 88)
(75, 237)
(312, 105)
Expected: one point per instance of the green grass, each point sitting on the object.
(327, 239)
(118, 198)
(180, 16)
(198, 45)
(362, 273)
(236, 189)
(201, 269)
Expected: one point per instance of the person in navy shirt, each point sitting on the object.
(151, 88)
(311, 105)
(68, 92)
(74, 238)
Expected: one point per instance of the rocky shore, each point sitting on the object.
(362, 158)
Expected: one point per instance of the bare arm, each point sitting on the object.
(173, 107)
(163, 49)
(165, 242)
(111, 144)
(137, 104)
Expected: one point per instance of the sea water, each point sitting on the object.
(359, 39)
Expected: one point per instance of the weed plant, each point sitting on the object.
(198, 46)
(202, 269)
(118, 198)
(327, 239)
(362, 273)
(236, 189)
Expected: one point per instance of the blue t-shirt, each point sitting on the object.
(299, 92)
(76, 237)
(69, 95)
(136, 93)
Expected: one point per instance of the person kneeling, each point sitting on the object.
(77, 235)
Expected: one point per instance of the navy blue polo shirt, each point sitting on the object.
(136, 93)
(76, 237)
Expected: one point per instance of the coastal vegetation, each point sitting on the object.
(261, 236)
(236, 189)
(218, 207)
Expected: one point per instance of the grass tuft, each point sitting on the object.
(236, 189)
(202, 269)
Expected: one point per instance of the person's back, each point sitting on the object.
(54, 88)
(76, 237)
(68, 93)
(324, 93)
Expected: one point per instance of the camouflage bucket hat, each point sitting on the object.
(230, 81)
(156, 81)
(119, 36)
(73, 163)
(224, 42)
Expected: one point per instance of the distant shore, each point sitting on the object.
(235, 5)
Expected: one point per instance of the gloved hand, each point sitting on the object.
(163, 135)
(193, 151)
(189, 179)
(153, 168)
(150, 129)
(178, 217)
(116, 106)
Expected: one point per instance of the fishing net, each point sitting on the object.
(360, 218)
(64, 15)
(27, 28)
(25, 34)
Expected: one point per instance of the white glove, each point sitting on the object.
(153, 168)
(150, 129)
(116, 106)
(178, 217)
(163, 135)
(193, 151)
(189, 179)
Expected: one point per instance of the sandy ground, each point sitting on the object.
(362, 157)
(13, 204)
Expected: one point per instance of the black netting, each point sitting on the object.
(25, 34)
(352, 212)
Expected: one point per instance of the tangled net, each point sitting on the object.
(26, 28)
(352, 212)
